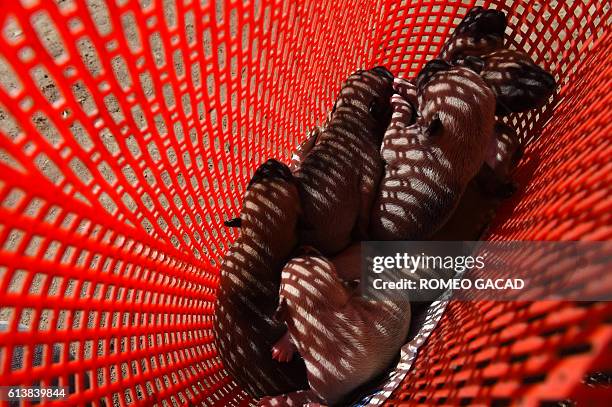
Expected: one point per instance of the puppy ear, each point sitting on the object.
(383, 71)
(233, 223)
(474, 63)
(435, 127)
(429, 70)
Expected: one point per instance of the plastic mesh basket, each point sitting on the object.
(129, 130)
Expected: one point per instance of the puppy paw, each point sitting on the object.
(283, 349)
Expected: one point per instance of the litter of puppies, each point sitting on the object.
(397, 159)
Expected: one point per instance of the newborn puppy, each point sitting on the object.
(250, 278)
(346, 340)
(429, 163)
(338, 178)
(518, 83)
(480, 32)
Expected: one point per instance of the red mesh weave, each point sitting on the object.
(129, 130)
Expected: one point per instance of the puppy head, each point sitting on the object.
(480, 22)
(481, 31)
(518, 82)
(271, 204)
(429, 70)
(269, 171)
(504, 151)
(365, 100)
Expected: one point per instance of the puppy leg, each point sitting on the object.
(503, 154)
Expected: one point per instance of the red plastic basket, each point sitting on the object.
(129, 130)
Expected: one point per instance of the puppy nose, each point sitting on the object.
(381, 70)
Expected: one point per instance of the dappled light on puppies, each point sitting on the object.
(338, 177)
(481, 31)
(345, 339)
(518, 82)
(250, 276)
(429, 162)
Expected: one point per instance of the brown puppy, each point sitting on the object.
(429, 163)
(518, 83)
(338, 178)
(346, 340)
(480, 32)
(249, 283)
